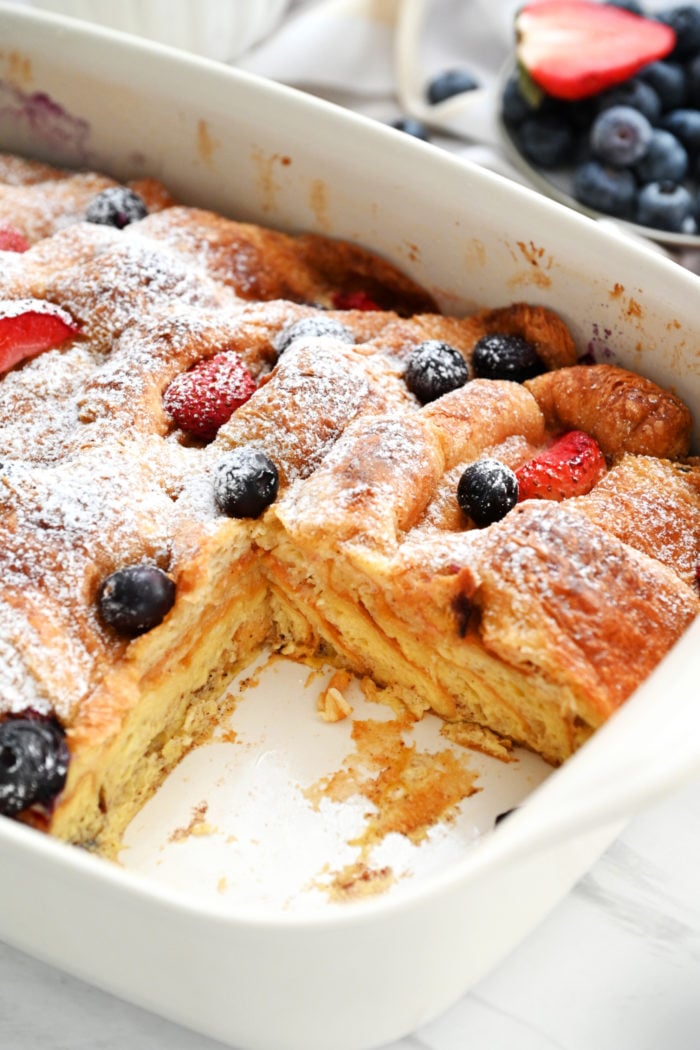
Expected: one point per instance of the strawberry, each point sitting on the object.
(28, 326)
(354, 301)
(569, 467)
(11, 240)
(203, 399)
(575, 48)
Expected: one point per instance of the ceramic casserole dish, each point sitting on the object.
(274, 968)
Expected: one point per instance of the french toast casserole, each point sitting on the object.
(219, 439)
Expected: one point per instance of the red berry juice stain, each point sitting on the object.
(48, 122)
(597, 349)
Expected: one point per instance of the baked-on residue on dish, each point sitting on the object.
(218, 438)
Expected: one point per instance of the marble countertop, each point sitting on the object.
(615, 966)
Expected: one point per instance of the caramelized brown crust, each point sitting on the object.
(483, 414)
(624, 412)
(559, 610)
(552, 587)
(324, 382)
(263, 264)
(40, 200)
(548, 334)
(538, 626)
(654, 506)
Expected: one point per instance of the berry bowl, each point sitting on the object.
(215, 918)
(627, 153)
(601, 111)
(559, 181)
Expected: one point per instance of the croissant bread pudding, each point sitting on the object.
(218, 439)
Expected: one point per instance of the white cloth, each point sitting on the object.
(347, 51)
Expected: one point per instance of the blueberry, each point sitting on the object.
(582, 151)
(685, 125)
(487, 490)
(117, 206)
(33, 762)
(666, 206)
(620, 136)
(635, 93)
(665, 159)
(314, 327)
(246, 481)
(632, 6)
(501, 356)
(545, 139)
(136, 599)
(515, 107)
(434, 368)
(668, 79)
(581, 113)
(413, 127)
(685, 20)
(692, 81)
(610, 190)
(448, 83)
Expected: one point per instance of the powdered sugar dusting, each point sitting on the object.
(65, 527)
(373, 483)
(323, 383)
(18, 307)
(94, 476)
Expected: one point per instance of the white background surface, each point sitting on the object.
(616, 966)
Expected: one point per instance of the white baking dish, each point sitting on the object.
(267, 972)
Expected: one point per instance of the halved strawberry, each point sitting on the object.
(359, 300)
(203, 399)
(569, 467)
(12, 240)
(576, 48)
(28, 326)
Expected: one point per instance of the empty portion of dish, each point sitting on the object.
(217, 438)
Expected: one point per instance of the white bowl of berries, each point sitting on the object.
(602, 111)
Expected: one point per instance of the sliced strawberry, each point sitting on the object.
(12, 240)
(354, 301)
(576, 48)
(569, 467)
(28, 326)
(203, 399)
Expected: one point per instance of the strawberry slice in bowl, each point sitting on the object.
(569, 467)
(573, 49)
(30, 326)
